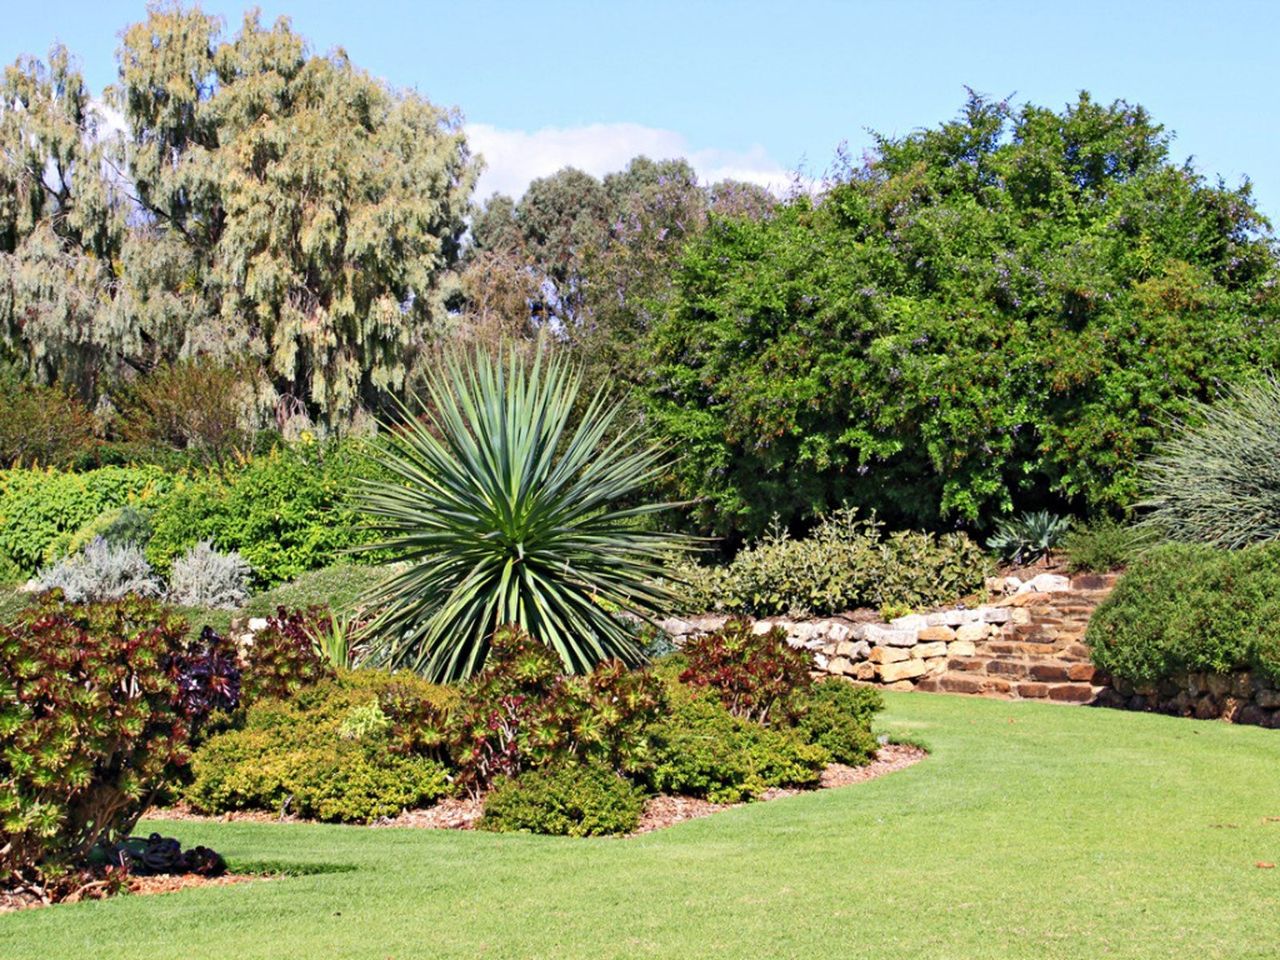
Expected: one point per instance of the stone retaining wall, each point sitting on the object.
(1025, 644)
(1237, 698)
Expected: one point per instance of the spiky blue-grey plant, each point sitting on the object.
(509, 509)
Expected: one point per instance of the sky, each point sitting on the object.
(763, 91)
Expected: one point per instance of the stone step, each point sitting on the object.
(1075, 692)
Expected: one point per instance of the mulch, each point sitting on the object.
(27, 899)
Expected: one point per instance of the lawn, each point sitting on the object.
(1032, 831)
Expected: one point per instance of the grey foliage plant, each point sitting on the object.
(1029, 536)
(512, 508)
(103, 571)
(204, 577)
(1216, 479)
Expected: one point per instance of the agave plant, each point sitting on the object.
(1027, 538)
(509, 513)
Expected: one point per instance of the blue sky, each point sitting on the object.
(760, 89)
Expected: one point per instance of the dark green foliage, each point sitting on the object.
(286, 512)
(844, 562)
(1102, 546)
(40, 510)
(1216, 479)
(565, 799)
(705, 751)
(836, 715)
(97, 705)
(757, 676)
(283, 657)
(1191, 608)
(522, 712)
(330, 753)
(1028, 537)
(998, 314)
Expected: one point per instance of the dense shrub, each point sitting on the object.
(102, 572)
(331, 752)
(1191, 608)
(705, 751)
(194, 405)
(97, 706)
(286, 512)
(203, 577)
(845, 562)
(757, 676)
(522, 712)
(1216, 479)
(836, 715)
(130, 524)
(565, 799)
(37, 507)
(283, 658)
(1104, 545)
(41, 426)
(999, 313)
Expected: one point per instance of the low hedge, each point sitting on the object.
(565, 799)
(1190, 608)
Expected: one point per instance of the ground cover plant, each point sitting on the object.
(1138, 824)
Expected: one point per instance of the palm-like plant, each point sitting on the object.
(509, 514)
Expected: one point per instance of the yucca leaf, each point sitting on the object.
(507, 510)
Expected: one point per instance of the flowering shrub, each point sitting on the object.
(97, 706)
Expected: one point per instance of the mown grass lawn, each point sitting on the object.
(1032, 831)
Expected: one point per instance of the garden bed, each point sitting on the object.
(663, 810)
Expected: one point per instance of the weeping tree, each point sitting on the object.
(1216, 479)
(511, 509)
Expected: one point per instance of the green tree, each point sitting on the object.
(999, 313)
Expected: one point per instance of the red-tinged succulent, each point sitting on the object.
(757, 675)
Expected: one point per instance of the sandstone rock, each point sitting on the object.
(1080, 671)
(930, 634)
(840, 665)
(677, 627)
(961, 648)
(912, 621)
(821, 661)
(257, 623)
(973, 632)
(1049, 672)
(903, 670)
(866, 670)
(1032, 690)
(901, 685)
(996, 614)
(1019, 615)
(935, 667)
(1046, 583)
(888, 654)
(838, 632)
(924, 651)
(959, 683)
(761, 627)
(890, 637)
(854, 650)
(1071, 693)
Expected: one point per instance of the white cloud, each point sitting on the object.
(513, 158)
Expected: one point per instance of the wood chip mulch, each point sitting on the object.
(26, 899)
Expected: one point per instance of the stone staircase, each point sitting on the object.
(1039, 654)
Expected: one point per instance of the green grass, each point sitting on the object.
(1032, 831)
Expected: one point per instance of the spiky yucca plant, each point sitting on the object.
(508, 513)
(1028, 537)
(1216, 479)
